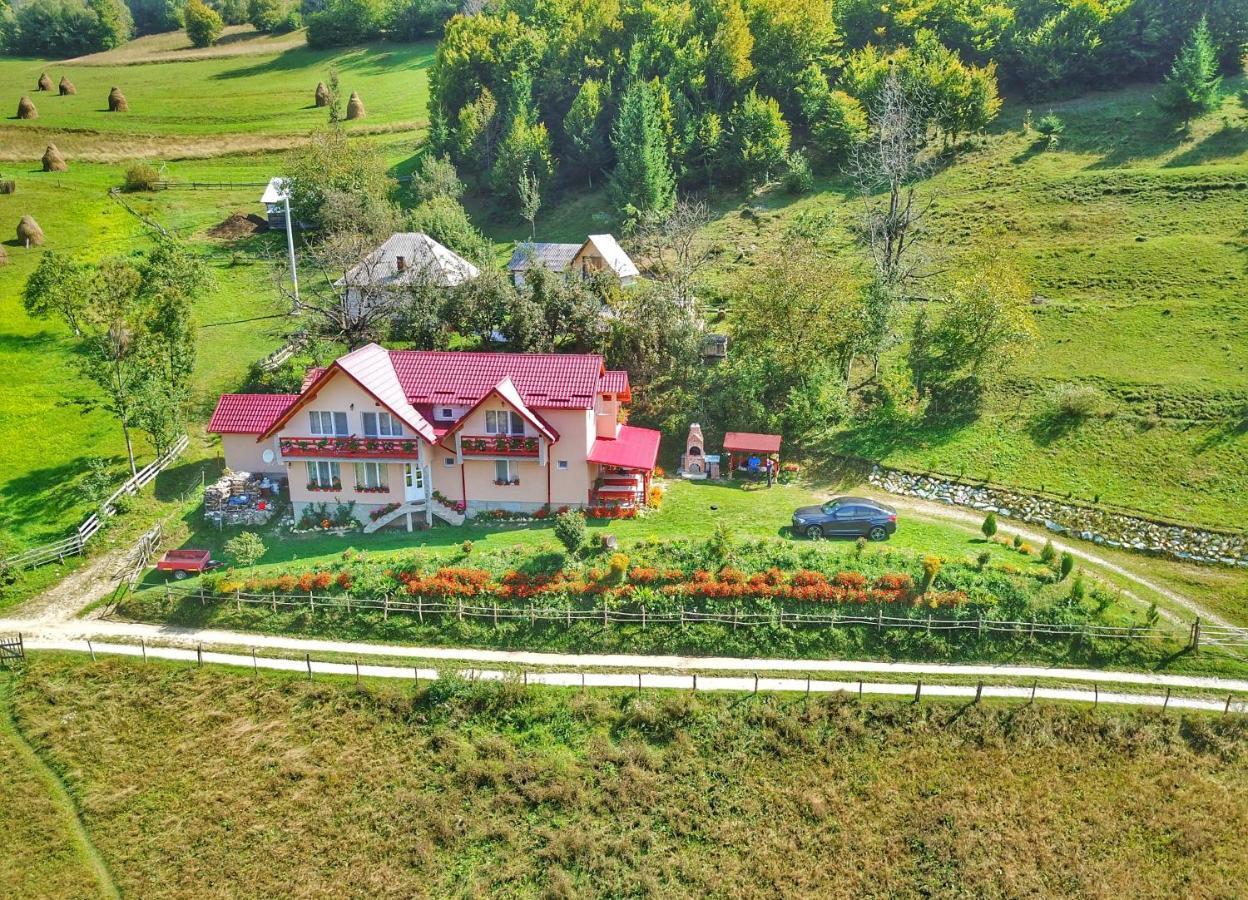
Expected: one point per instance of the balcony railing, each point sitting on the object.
(499, 445)
(350, 447)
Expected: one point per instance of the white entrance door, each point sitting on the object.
(413, 483)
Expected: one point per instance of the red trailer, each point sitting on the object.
(184, 562)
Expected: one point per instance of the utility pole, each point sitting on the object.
(290, 247)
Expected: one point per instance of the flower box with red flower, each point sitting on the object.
(365, 489)
(351, 447)
(499, 445)
(335, 486)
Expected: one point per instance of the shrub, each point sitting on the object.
(322, 580)
(989, 528)
(983, 559)
(1018, 542)
(344, 580)
(344, 22)
(1051, 126)
(1048, 553)
(570, 530)
(798, 178)
(719, 544)
(931, 568)
(617, 566)
(141, 177)
(1067, 565)
(1076, 402)
(466, 548)
(61, 28)
(1077, 589)
(267, 16)
(656, 496)
(859, 546)
(203, 23)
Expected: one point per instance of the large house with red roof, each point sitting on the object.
(421, 433)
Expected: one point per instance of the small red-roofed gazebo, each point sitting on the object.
(742, 445)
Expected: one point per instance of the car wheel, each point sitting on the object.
(179, 575)
(814, 531)
(878, 533)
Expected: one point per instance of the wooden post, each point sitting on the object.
(918, 690)
(143, 644)
(307, 658)
(311, 602)
(524, 677)
(348, 603)
(582, 682)
(255, 666)
(568, 616)
(201, 593)
(807, 687)
(532, 620)
(459, 608)
(385, 607)
(682, 617)
(756, 683)
(604, 614)
(980, 633)
(859, 690)
(1096, 695)
(879, 618)
(91, 650)
(495, 615)
(643, 616)
(199, 654)
(416, 673)
(1166, 703)
(735, 618)
(638, 684)
(979, 692)
(1226, 709)
(357, 670)
(420, 609)
(1196, 635)
(929, 624)
(274, 600)
(238, 600)
(695, 687)
(1033, 691)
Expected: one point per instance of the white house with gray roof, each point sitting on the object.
(600, 252)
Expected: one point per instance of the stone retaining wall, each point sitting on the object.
(1110, 529)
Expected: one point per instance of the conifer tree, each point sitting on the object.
(1192, 86)
(643, 182)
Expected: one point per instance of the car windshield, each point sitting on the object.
(830, 506)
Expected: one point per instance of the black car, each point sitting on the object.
(847, 517)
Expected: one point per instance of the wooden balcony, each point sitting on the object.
(349, 448)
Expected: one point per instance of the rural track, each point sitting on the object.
(666, 681)
(44, 635)
(971, 520)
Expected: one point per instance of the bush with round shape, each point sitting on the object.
(989, 528)
(1048, 553)
(570, 529)
(323, 96)
(26, 109)
(203, 23)
(1067, 565)
(66, 87)
(117, 101)
(355, 107)
(141, 177)
(29, 233)
(53, 161)
(45, 83)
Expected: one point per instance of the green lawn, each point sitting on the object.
(480, 790)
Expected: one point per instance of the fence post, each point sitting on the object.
(274, 599)
(1165, 703)
(459, 608)
(199, 655)
(495, 615)
(532, 620)
(385, 607)
(1226, 709)
(311, 602)
(238, 601)
(568, 617)
(980, 632)
(979, 691)
(918, 690)
(1196, 635)
(695, 688)
(604, 614)
(307, 658)
(1033, 691)
(638, 684)
(879, 618)
(929, 624)
(143, 644)
(756, 683)
(420, 609)
(859, 690)
(348, 596)
(91, 650)
(1096, 695)
(735, 617)
(255, 666)
(201, 593)
(357, 670)
(643, 616)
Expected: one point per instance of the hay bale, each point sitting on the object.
(323, 97)
(26, 109)
(67, 87)
(29, 234)
(355, 107)
(45, 83)
(117, 101)
(53, 161)
(4, 256)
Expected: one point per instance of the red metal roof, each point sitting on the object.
(632, 448)
(248, 413)
(615, 381)
(544, 380)
(506, 389)
(749, 442)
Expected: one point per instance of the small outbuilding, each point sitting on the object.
(752, 453)
(599, 253)
(274, 199)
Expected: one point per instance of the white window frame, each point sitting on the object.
(513, 420)
(444, 413)
(448, 461)
(506, 471)
(324, 423)
(323, 473)
(372, 475)
(384, 424)
(563, 464)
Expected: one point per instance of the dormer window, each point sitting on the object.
(329, 424)
(444, 414)
(502, 421)
(382, 424)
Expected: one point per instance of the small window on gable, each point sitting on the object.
(563, 464)
(444, 413)
(448, 461)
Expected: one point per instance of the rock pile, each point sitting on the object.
(1110, 529)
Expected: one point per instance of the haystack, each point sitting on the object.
(67, 87)
(323, 96)
(355, 107)
(53, 161)
(117, 101)
(45, 83)
(29, 234)
(26, 109)
(4, 256)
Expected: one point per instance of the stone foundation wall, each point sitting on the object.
(1100, 526)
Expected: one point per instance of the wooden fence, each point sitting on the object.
(12, 650)
(76, 543)
(1198, 633)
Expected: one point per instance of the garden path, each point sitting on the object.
(67, 598)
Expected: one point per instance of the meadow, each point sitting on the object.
(459, 789)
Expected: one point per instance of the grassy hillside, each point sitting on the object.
(459, 790)
(1133, 236)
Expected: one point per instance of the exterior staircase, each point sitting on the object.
(416, 509)
(446, 513)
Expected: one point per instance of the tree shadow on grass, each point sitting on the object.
(1229, 141)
